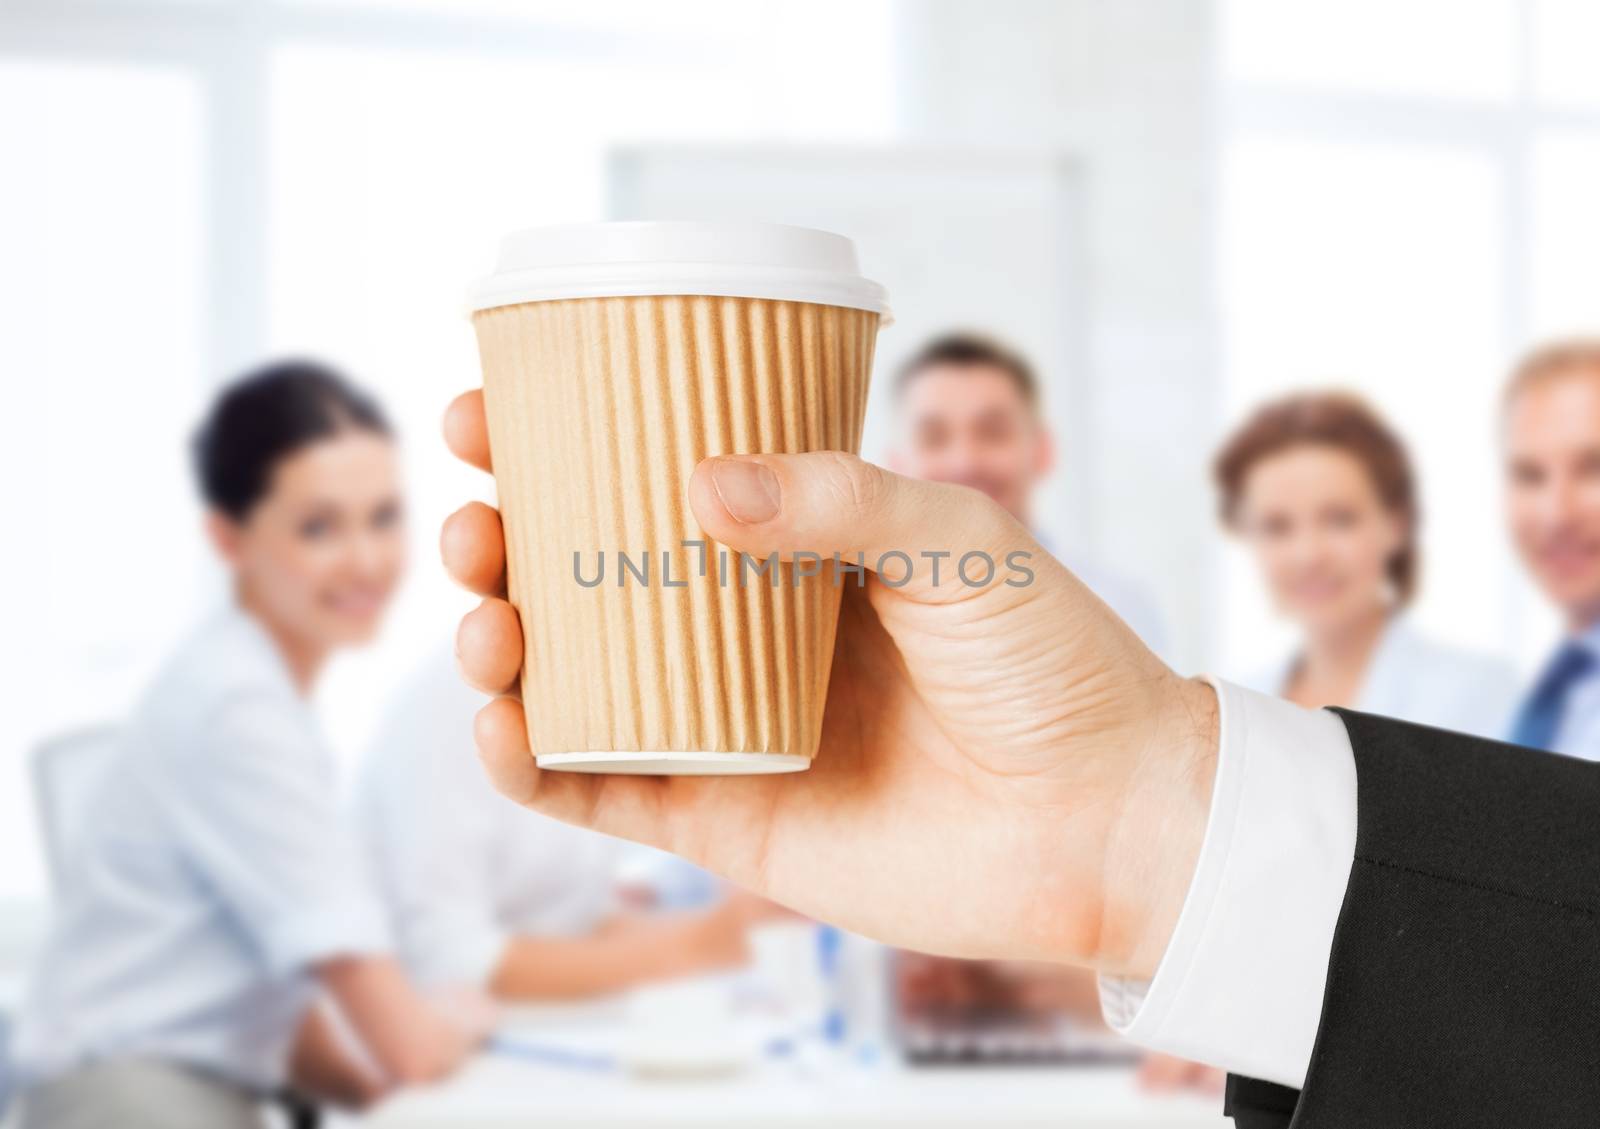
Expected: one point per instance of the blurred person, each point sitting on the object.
(482, 895)
(1552, 462)
(968, 411)
(216, 936)
(1322, 491)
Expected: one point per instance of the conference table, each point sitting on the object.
(497, 1093)
(506, 1087)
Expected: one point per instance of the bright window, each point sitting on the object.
(1565, 198)
(1435, 48)
(101, 287)
(1409, 191)
(1566, 33)
(1375, 268)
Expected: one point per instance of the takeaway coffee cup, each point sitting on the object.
(615, 357)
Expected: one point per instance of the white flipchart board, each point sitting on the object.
(969, 239)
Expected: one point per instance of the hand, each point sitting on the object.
(406, 1039)
(327, 1063)
(937, 984)
(470, 1009)
(723, 934)
(1160, 1074)
(1004, 771)
(679, 944)
(720, 936)
(930, 985)
(742, 910)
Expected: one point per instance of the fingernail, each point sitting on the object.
(749, 491)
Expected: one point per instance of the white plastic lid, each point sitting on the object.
(735, 260)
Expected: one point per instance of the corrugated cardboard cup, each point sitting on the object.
(615, 358)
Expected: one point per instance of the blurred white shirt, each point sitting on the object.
(213, 867)
(463, 868)
(1414, 678)
(1123, 595)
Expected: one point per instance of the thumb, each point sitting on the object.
(916, 534)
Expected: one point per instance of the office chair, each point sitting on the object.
(5, 1065)
(64, 770)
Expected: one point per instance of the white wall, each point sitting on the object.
(1129, 87)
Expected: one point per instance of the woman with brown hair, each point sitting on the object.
(1322, 491)
(216, 936)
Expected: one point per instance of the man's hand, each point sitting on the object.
(1004, 771)
(1163, 1074)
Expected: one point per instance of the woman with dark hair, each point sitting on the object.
(1321, 490)
(215, 890)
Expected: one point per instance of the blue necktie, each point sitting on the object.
(1540, 716)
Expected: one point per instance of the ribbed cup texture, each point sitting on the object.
(599, 409)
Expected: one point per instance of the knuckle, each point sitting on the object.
(986, 517)
(853, 483)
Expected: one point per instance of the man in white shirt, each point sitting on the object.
(967, 411)
(1009, 772)
(1552, 453)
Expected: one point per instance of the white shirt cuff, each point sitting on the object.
(317, 933)
(464, 953)
(1241, 983)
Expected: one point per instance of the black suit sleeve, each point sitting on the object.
(1254, 1104)
(1464, 982)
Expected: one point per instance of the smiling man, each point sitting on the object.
(1552, 446)
(968, 411)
